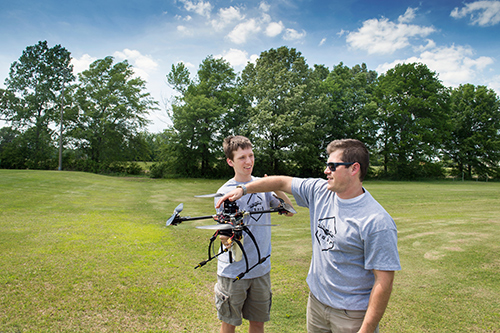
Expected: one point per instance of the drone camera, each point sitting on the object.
(230, 207)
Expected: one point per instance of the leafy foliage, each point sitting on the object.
(112, 110)
(30, 102)
(279, 90)
(198, 116)
(413, 118)
(412, 124)
(475, 141)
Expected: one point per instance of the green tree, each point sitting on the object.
(413, 120)
(112, 111)
(13, 152)
(32, 99)
(475, 139)
(351, 111)
(281, 92)
(199, 116)
(9, 104)
(178, 78)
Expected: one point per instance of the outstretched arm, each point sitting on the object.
(379, 298)
(267, 184)
(282, 195)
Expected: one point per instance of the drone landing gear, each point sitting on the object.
(240, 245)
(231, 221)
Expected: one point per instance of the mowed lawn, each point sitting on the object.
(90, 253)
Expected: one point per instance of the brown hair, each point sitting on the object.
(352, 151)
(233, 142)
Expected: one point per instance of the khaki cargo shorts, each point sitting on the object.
(247, 298)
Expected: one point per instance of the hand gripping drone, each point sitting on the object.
(229, 223)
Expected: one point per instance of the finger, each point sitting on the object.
(221, 200)
(231, 196)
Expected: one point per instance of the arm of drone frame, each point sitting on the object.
(285, 204)
(285, 207)
(210, 257)
(283, 198)
(242, 274)
(280, 210)
(174, 219)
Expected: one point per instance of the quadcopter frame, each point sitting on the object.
(229, 222)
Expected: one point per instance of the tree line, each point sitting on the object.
(414, 126)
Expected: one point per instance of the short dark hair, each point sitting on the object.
(233, 142)
(352, 151)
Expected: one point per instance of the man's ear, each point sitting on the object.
(230, 162)
(356, 168)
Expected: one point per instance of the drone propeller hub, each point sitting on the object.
(175, 215)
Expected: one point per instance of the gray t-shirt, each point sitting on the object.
(350, 238)
(251, 202)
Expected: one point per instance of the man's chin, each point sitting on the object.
(330, 186)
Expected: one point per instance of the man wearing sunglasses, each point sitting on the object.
(354, 241)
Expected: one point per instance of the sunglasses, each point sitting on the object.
(333, 165)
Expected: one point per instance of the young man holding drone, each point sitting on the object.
(250, 297)
(354, 241)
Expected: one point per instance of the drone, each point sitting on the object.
(230, 223)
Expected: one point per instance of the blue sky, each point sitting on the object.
(457, 39)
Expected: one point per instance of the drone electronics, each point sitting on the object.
(229, 223)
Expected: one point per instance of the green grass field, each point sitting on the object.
(89, 253)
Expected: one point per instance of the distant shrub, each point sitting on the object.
(117, 167)
(158, 170)
(134, 168)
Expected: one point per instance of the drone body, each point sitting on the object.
(230, 223)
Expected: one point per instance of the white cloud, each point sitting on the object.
(253, 58)
(83, 63)
(266, 18)
(183, 30)
(384, 37)
(239, 22)
(264, 6)
(408, 16)
(494, 83)
(227, 16)
(292, 34)
(143, 64)
(454, 64)
(189, 65)
(274, 29)
(322, 42)
(252, 26)
(342, 32)
(201, 8)
(243, 30)
(483, 13)
(430, 45)
(237, 58)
